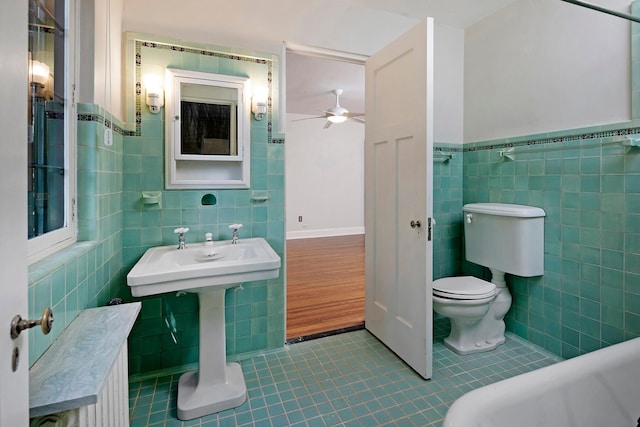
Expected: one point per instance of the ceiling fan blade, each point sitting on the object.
(326, 125)
(358, 119)
(309, 118)
(353, 115)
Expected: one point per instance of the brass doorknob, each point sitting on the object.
(18, 324)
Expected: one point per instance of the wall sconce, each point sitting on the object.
(154, 93)
(38, 76)
(259, 102)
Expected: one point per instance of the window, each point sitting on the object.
(52, 128)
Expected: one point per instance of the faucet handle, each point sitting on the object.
(235, 228)
(181, 230)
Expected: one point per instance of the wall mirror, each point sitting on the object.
(207, 129)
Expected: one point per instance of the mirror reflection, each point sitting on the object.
(208, 116)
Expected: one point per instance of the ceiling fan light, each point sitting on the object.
(337, 119)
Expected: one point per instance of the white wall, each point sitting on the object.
(545, 65)
(96, 84)
(448, 85)
(324, 178)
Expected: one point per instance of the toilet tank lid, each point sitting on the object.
(504, 209)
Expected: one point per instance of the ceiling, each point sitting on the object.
(311, 80)
(359, 26)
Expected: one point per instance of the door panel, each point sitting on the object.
(14, 401)
(398, 175)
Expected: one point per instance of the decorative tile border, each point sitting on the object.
(99, 118)
(557, 140)
(42, 28)
(447, 148)
(55, 115)
(87, 117)
(139, 44)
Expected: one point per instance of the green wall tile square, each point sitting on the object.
(632, 243)
(553, 167)
(632, 184)
(632, 203)
(613, 183)
(613, 202)
(632, 263)
(613, 259)
(131, 163)
(590, 165)
(590, 148)
(611, 335)
(590, 183)
(613, 164)
(590, 201)
(632, 163)
(632, 323)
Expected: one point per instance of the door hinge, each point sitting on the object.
(429, 226)
(73, 209)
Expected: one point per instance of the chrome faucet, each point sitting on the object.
(180, 232)
(235, 227)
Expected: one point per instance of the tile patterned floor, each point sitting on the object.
(349, 379)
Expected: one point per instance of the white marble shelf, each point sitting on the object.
(73, 371)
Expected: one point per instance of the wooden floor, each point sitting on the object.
(325, 284)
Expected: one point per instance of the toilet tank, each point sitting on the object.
(505, 237)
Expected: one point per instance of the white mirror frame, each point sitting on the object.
(206, 171)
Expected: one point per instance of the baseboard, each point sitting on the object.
(325, 232)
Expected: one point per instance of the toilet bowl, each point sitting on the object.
(466, 301)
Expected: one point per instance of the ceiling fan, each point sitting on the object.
(337, 114)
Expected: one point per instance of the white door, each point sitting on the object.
(398, 196)
(14, 386)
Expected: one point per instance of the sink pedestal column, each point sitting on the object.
(217, 385)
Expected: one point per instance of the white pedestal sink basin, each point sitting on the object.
(207, 271)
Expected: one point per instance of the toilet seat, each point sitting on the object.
(463, 288)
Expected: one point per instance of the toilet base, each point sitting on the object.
(477, 347)
(476, 325)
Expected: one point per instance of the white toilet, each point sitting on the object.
(505, 238)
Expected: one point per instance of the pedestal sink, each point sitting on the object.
(207, 270)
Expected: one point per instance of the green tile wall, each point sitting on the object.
(589, 186)
(166, 334)
(447, 210)
(88, 273)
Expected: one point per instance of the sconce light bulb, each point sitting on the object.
(38, 72)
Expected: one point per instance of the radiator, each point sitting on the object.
(111, 409)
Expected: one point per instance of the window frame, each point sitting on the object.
(46, 244)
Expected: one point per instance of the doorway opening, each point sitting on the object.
(324, 193)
